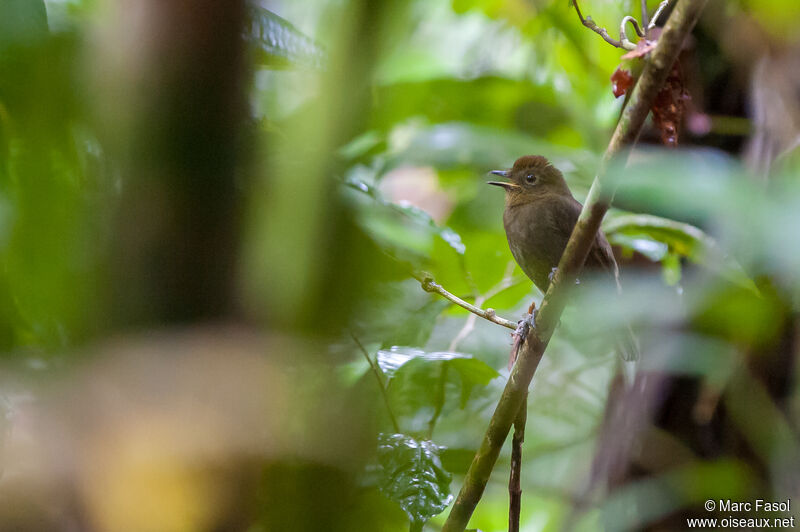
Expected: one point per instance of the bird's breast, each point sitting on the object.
(534, 240)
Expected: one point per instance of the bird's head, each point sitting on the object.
(531, 177)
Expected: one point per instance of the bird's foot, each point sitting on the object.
(524, 328)
(552, 275)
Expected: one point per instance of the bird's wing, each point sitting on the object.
(600, 255)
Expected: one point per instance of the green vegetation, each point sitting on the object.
(220, 224)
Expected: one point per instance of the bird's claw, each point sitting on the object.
(525, 325)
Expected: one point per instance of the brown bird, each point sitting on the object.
(539, 217)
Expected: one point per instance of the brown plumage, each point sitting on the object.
(539, 217)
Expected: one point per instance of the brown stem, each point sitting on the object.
(679, 25)
(514, 487)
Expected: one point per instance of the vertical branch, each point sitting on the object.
(679, 25)
(514, 480)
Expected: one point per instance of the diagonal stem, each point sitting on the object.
(679, 25)
(377, 372)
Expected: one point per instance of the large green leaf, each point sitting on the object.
(412, 476)
(424, 385)
(681, 239)
(278, 43)
(404, 231)
(473, 370)
(397, 313)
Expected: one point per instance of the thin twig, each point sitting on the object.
(514, 479)
(429, 285)
(378, 376)
(480, 299)
(623, 35)
(602, 32)
(657, 14)
(644, 16)
(679, 25)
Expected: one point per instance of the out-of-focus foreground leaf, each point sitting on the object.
(278, 43)
(405, 231)
(679, 239)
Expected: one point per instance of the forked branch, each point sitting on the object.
(623, 42)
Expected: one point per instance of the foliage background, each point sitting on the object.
(188, 295)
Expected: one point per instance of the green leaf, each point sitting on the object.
(650, 248)
(415, 327)
(397, 313)
(681, 240)
(278, 43)
(404, 231)
(424, 385)
(472, 369)
(412, 476)
(458, 144)
(473, 372)
(22, 22)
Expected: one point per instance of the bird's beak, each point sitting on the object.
(505, 185)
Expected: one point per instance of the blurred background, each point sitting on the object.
(214, 216)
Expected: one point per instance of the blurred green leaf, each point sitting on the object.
(671, 269)
(424, 385)
(415, 327)
(741, 315)
(488, 101)
(397, 313)
(652, 249)
(684, 239)
(681, 239)
(456, 144)
(412, 476)
(404, 231)
(474, 371)
(22, 22)
(457, 460)
(278, 43)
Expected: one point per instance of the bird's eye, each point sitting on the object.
(530, 179)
